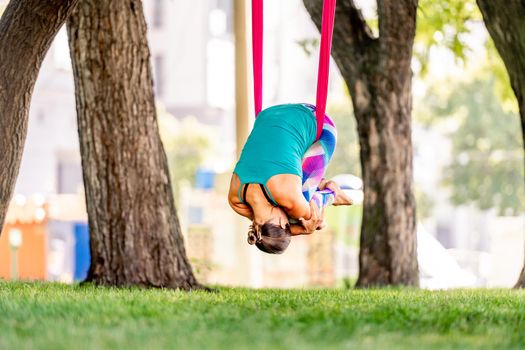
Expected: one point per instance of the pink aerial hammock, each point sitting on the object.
(317, 157)
(327, 27)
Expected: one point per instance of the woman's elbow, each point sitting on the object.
(299, 210)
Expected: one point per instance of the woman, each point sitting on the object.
(278, 181)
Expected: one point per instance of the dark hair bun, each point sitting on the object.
(270, 238)
(252, 235)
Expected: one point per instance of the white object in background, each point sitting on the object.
(60, 251)
(15, 241)
(348, 181)
(15, 238)
(437, 268)
(351, 185)
(56, 259)
(20, 200)
(356, 196)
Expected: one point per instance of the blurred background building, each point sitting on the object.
(192, 50)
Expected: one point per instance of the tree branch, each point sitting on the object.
(354, 45)
(27, 28)
(348, 17)
(397, 28)
(504, 23)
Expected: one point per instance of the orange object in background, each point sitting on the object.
(31, 254)
(30, 219)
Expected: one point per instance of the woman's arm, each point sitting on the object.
(287, 192)
(297, 207)
(297, 230)
(309, 226)
(234, 201)
(242, 209)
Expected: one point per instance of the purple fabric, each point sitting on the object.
(315, 163)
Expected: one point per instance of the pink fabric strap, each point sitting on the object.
(327, 29)
(257, 47)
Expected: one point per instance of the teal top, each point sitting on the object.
(279, 139)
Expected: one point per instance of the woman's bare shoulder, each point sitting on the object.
(233, 192)
(234, 200)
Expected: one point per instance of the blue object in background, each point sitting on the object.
(82, 255)
(204, 179)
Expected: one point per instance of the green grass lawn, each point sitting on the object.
(55, 316)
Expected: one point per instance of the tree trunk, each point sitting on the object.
(506, 25)
(135, 234)
(27, 29)
(378, 74)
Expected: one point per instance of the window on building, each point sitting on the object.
(69, 176)
(221, 17)
(159, 75)
(158, 13)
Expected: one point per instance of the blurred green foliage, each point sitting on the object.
(346, 156)
(447, 24)
(309, 45)
(494, 64)
(425, 204)
(186, 143)
(345, 222)
(487, 151)
(444, 24)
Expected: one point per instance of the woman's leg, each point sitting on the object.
(315, 162)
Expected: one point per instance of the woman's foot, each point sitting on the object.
(340, 197)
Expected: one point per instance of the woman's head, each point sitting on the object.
(270, 237)
(270, 232)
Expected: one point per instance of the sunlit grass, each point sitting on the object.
(55, 316)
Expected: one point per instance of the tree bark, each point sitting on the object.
(506, 25)
(378, 74)
(27, 29)
(135, 234)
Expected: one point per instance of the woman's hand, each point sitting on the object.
(316, 219)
